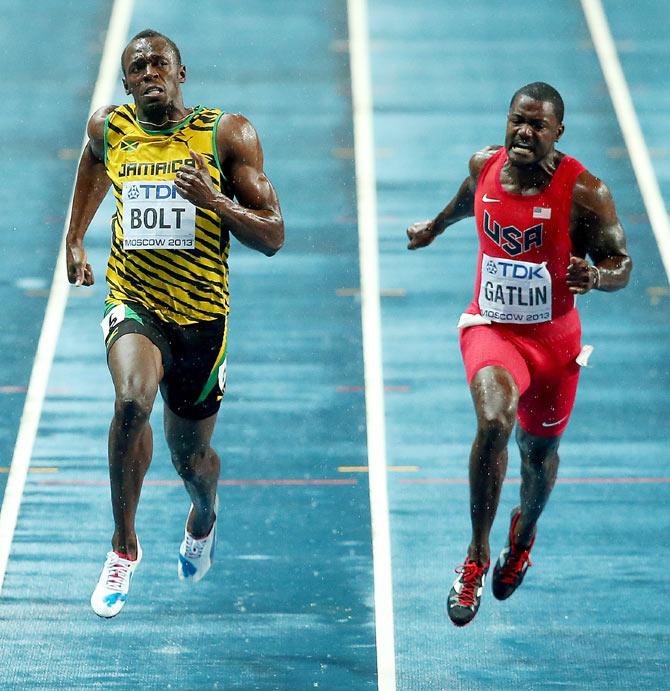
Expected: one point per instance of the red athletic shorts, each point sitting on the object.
(540, 358)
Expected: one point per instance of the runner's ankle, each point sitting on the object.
(126, 548)
(480, 556)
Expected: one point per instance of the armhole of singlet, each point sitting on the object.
(105, 141)
(485, 168)
(570, 169)
(215, 148)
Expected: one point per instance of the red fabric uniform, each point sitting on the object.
(533, 328)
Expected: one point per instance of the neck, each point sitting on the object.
(534, 177)
(164, 116)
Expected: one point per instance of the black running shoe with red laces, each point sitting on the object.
(466, 592)
(512, 563)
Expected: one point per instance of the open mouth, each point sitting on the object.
(153, 91)
(522, 148)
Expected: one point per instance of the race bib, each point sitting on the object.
(115, 316)
(223, 376)
(156, 217)
(515, 292)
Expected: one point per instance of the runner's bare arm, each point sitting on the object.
(90, 189)
(596, 232)
(422, 233)
(255, 219)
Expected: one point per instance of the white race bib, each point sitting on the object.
(156, 217)
(115, 316)
(223, 376)
(515, 292)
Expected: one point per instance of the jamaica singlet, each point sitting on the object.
(166, 254)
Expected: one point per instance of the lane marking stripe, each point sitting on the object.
(630, 126)
(560, 481)
(366, 195)
(104, 88)
(351, 481)
(222, 483)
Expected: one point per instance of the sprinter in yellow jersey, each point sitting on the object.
(183, 179)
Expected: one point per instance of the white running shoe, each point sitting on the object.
(111, 592)
(196, 555)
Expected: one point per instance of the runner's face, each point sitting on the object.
(532, 131)
(152, 73)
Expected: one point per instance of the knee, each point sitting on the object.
(495, 422)
(496, 398)
(132, 410)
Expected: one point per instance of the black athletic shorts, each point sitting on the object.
(194, 356)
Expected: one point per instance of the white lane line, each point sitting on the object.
(53, 318)
(630, 126)
(359, 56)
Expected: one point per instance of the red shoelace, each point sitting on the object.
(471, 579)
(515, 563)
(516, 558)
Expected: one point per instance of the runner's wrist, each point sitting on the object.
(437, 227)
(594, 271)
(74, 239)
(220, 204)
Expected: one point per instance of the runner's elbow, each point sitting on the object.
(275, 241)
(626, 267)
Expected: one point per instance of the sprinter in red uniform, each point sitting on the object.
(539, 214)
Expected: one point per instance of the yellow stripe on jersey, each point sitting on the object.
(183, 286)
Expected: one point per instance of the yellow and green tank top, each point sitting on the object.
(166, 254)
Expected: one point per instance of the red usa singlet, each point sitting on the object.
(524, 247)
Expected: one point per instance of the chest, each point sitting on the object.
(532, 227)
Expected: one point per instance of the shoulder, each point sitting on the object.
(479, 159)
(236, 136)
(235, 127)
(96, 123)
(96, 130)
(590, 193)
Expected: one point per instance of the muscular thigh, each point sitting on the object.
(542, 363)
(134, 341)
(134, 356)
(190, 360)
(194, 384)
(487, 346)
(546, 406)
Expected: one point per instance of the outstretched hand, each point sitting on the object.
(580, 276)
(420, 234)
(195, 183)
(79, 271)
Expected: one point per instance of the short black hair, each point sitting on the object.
(151, 33)
(541, 91)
